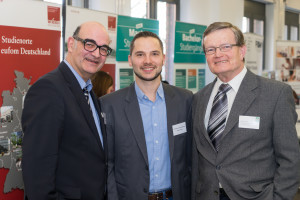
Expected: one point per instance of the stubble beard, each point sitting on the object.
(147, 79)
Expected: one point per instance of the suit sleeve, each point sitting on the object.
(112, 193)
(286, 147)
(42, 123)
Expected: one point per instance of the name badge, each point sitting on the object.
(250, 122)
(179, 128)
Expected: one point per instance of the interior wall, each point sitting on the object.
(293, 4)
(120, 7)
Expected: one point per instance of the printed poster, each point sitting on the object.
(29, 48)
(188, 43)
(254, 55)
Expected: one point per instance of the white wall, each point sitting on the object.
(293, 4)
(120, 7)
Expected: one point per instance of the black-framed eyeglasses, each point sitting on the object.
(223, 48)
(91, 46)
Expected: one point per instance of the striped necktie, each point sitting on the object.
(217, 119)
(86, 95)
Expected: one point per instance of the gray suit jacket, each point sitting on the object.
(128, 173)
(260, 164)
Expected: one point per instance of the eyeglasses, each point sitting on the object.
(223, 48)
(91, 46)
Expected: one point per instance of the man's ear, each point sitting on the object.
(129, 60)
(71, 44)
(243, 50)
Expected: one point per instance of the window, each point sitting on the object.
(140, 8)
(166, 15)
(254, 21)
(292, 26)
(246, 25)
(254, 14)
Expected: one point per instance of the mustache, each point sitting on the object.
(148, 65)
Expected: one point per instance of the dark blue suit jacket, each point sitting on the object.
(62, 153)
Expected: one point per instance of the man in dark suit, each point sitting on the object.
(64, 146)
(245, 141)
(147, 128)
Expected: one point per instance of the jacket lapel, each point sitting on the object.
(201, 111)
(101, 120)
(78, 94)
(134, 116)
(171, 114)
(244, 98)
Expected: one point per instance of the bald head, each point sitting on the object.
(91, 25)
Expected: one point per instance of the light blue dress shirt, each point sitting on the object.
(89, 86)
(154, 116)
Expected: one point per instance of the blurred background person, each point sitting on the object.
(102, 83)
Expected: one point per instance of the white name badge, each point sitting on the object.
(179, 128)
(250, 122)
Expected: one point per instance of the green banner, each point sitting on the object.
(192, 78)
(201, 78)
(188, 43)
(126, 77)
(180, 78)
(127, 28)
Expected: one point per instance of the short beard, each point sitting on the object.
(147, 79)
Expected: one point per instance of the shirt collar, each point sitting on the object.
(236, 81)
(140, 94)
(80, 80)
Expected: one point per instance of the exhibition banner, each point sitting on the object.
(188, 43)
(180, 78)
(254, 55)
(127, 28)
(288, 63)
(29, 48)
(288, 69)
(201, 78)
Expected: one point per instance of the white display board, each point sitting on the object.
(254, 54)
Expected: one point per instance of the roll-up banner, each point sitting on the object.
(189, 57)
(30, 33)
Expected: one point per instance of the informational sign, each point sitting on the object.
(288, 63)
(254, 55)
(126, 77)
(188, 43)
(201, 78)
(192, 78)
(29, 48)
(180, 78)
(127, 28)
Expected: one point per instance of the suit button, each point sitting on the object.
(216, 192)
(145, 190)
(147, 169)
(218, 167)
